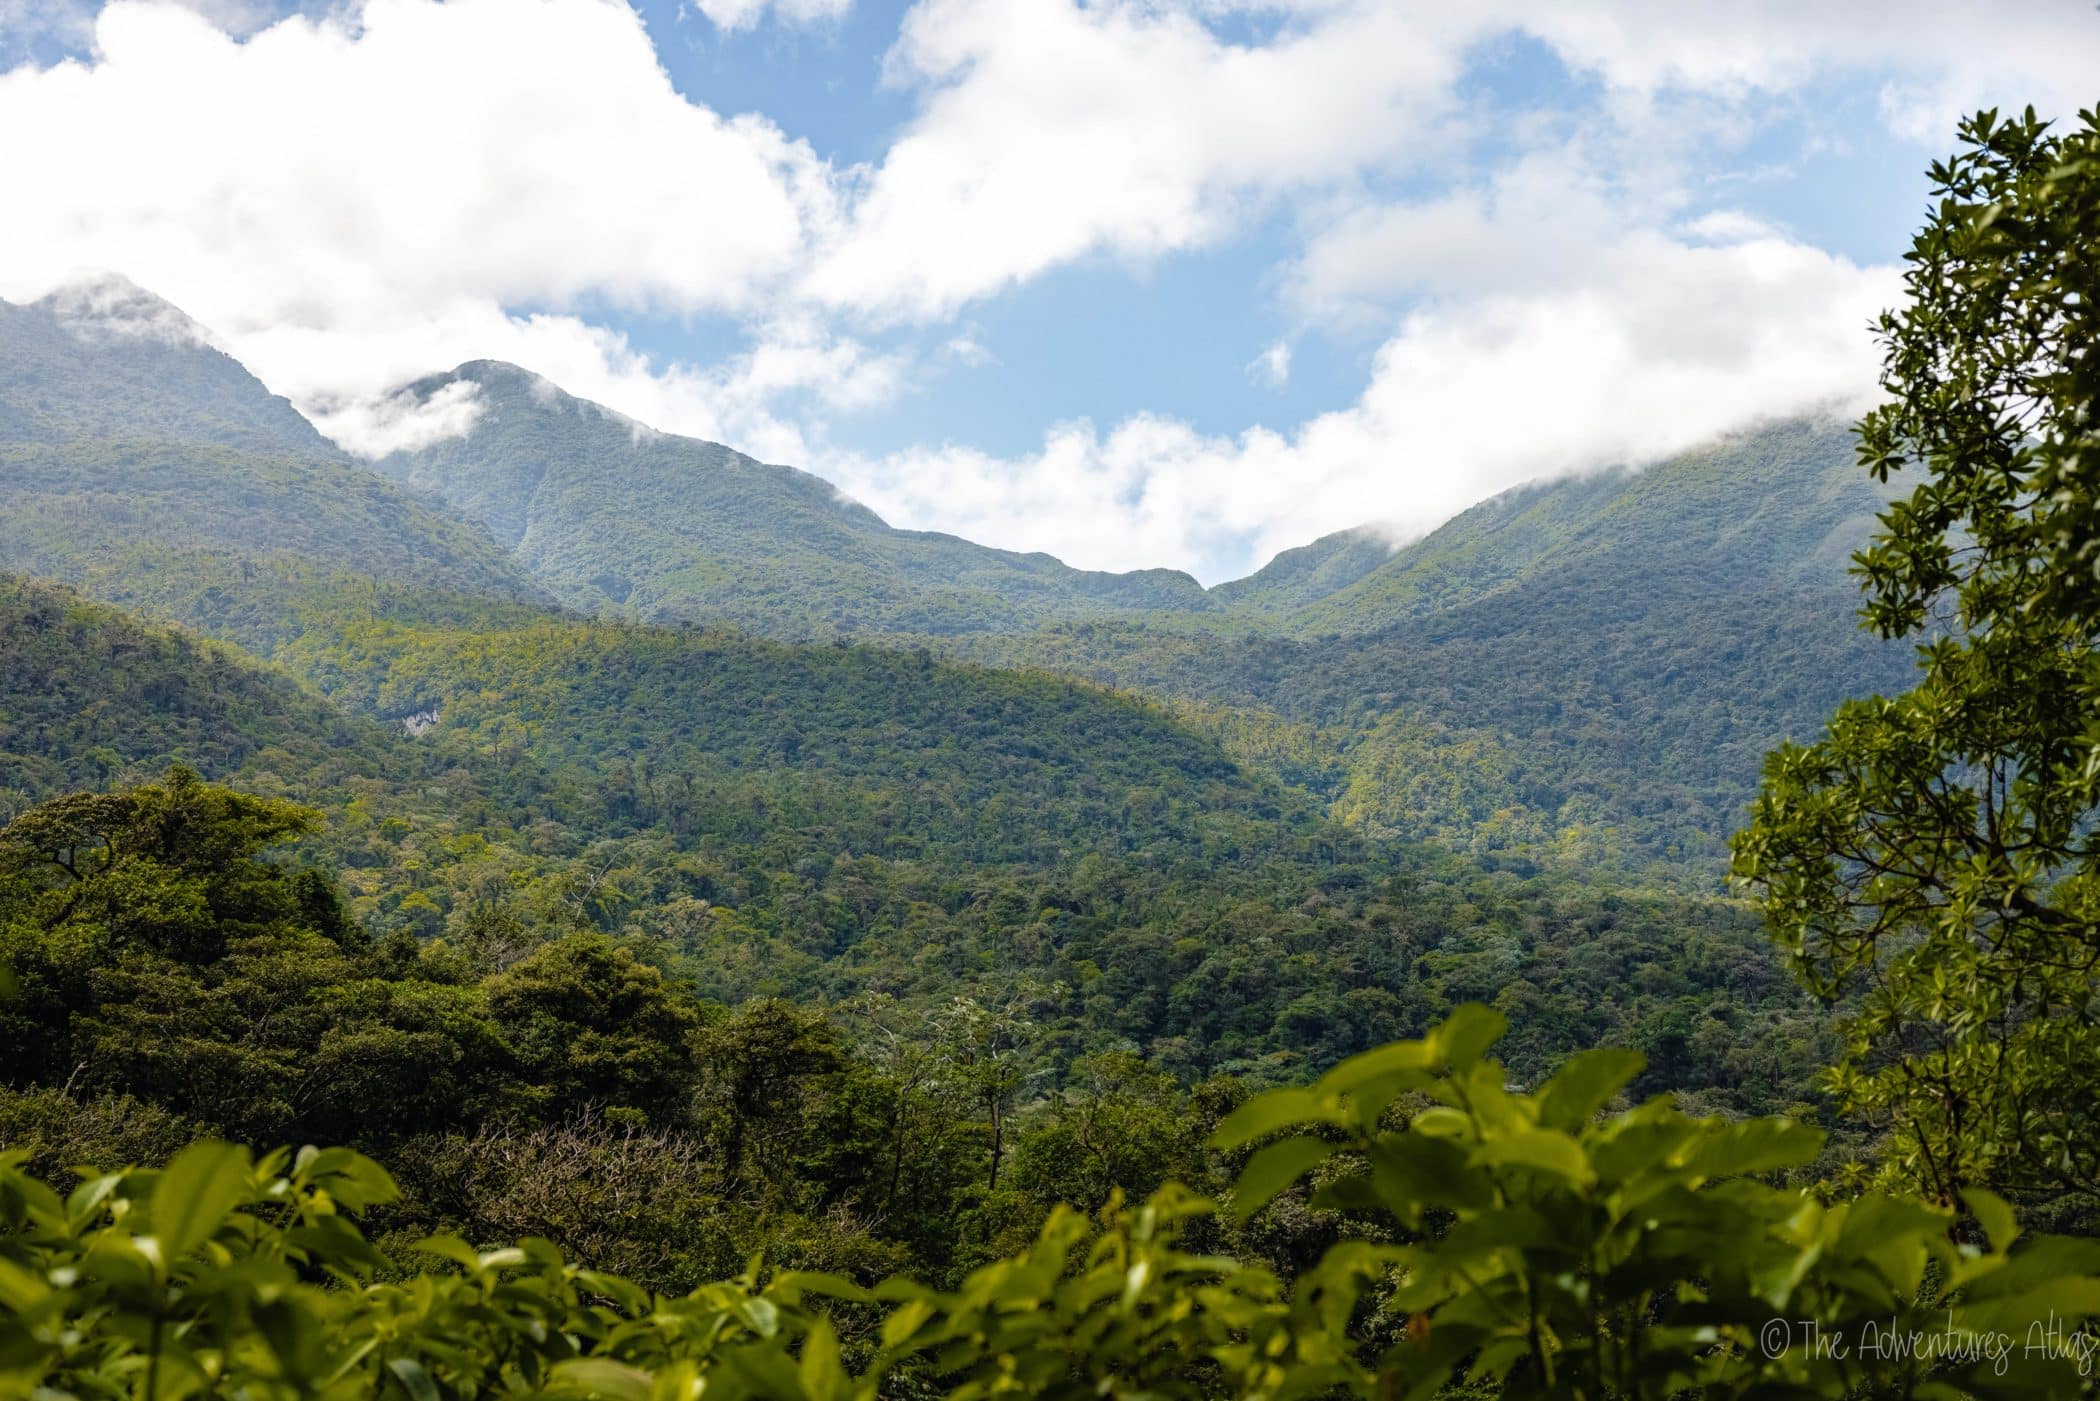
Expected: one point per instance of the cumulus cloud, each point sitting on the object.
(1653, 347)
(356, 200)
(348, 201)
(1051, 130)
(1955, 55)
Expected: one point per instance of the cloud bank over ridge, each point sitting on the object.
(359, 197)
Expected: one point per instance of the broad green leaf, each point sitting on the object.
(194, 1194)
(1547, 1150)
(1466, 1034)
(905, 1321)
(823, 1374)
(795, 1283)
(1267, 1113)
(1994, 1215)
(1414, 1170)
(1400, 1059)
(1274, 1168)
(761, 1316)
(20, 1289)
(598, 1377)
(1582, 1086)
(1754, 1145)
(414, 1380)
(451, 1248)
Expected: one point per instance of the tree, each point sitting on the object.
(594, 1026)
(1934, 854)
(987, 1049)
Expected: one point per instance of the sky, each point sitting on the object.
(1137, 282)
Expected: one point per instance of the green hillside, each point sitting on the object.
(105, 359)
(830, 823)
(1781, 506)
(1583, 672)
(153, 471)
(612, 517)
(90, 696)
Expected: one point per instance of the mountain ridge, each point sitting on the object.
(707, 534)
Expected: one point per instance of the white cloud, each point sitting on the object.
(1050, 130)
(1651, 347)
(1957, 55)
(966, 349)
(353, 201)
(1272, 368)
(743, 14)
(402, 421)
(747, 400)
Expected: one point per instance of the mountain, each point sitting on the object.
(1781, 505)
(149, 468)
(1297, 577)
(1585, 671)
(102, 358)
(1578, 672)
(613, 517)
(91, 696)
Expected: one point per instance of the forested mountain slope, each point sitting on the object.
(1781, 506)
(150, 469)
(613, 517)
(838, 823)
(91, 696)
(1584, 671)
(104, 359)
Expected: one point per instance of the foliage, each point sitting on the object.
(1935, 851)
(183, 971)
(1542, 1251)
(90, 697)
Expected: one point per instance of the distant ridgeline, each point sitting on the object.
(1579, 674)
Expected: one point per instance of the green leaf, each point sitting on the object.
(792, 1284)
(1584, 1085)
(597, 1377)
(1275, 1168)
(451, 1248)
(194, 1194)
(761, 1316)
(1546, 1150)
(1994, 1215)
(908, 1318)
(1266, 1113)
(414, 1380)
(1466, 1034)
(822, 1373)
(1755, 1145)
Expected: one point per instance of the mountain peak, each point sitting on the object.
(106, 307)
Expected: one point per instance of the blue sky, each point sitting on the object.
(1176, 282)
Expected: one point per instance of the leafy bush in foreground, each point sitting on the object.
(1519, 1239)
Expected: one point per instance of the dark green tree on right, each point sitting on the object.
(1935, 856)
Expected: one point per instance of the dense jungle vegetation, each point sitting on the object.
(741, 1018)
